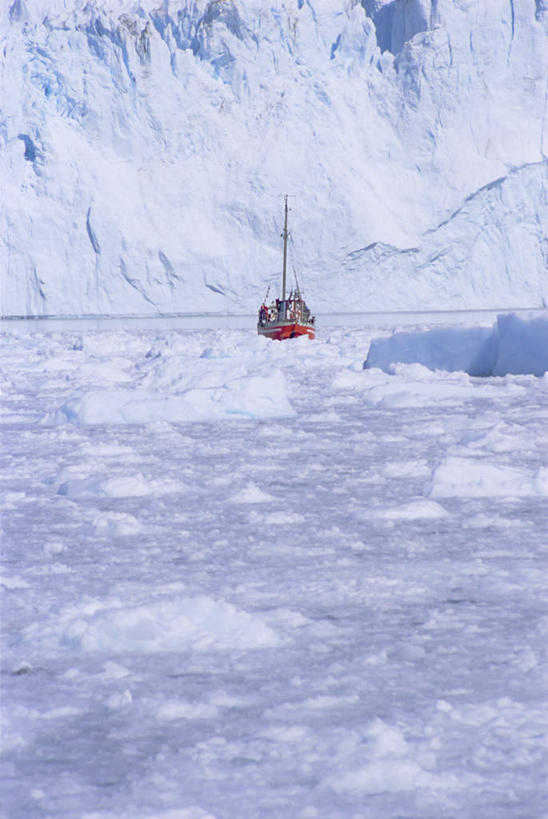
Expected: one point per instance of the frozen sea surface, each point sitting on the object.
(249, 579)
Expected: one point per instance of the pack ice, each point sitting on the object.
(333, 611)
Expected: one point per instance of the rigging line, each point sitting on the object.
(292, 246)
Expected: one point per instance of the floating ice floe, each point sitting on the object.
(180, 709)
(417, 509)
(251, 494)
(185, 624)
(13, 583)
(414, 386)
(124, 486)
(503, 437)
(390, 766)
(116, 523)
(406, 469)
(470, 477)
(120, 700)
(514, 345)
(247, 396)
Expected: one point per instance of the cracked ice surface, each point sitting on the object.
(337, 611)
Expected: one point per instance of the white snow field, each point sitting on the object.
(146, 146)
(250, 579)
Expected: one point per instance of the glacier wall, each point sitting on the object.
(146, 146)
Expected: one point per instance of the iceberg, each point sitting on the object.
(513, 346)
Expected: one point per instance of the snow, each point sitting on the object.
(146, 147)
(337, 611)
(515, 345)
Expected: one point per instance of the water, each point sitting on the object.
(221, 321)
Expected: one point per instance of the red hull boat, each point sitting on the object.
(286, 317)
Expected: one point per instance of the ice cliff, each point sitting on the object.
(146, 145)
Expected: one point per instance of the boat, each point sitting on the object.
(289, 316)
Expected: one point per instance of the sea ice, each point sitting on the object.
(336, 612)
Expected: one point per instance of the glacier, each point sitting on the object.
(146, 145)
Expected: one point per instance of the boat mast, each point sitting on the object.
(284, 234)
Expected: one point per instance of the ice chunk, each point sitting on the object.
(406, 469)
(120, 700)
(179, 709)
(183, 624)
(53, 547)
(102, 450)
(471, 477)
(116, 523)
(123, 486)
(250, 396)
(12, 583)
(390, 767)
(410, 385)
(251, 494)
(417, 509)
(285, 518)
